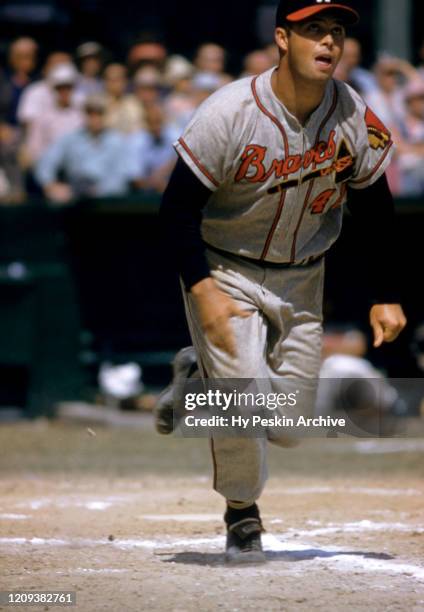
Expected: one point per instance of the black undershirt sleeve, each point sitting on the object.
(373, 215)
(374, 221)
(181, 217)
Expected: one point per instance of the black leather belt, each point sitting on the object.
(309, 261)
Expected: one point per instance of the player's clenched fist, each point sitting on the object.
(215, 310)
(387, 321)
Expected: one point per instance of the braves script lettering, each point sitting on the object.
(253, 158)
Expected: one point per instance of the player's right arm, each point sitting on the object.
(181, 216)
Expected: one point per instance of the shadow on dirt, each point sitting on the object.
(214, 559)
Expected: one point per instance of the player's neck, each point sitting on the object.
(299, 96)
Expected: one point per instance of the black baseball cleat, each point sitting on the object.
(184, 366)
(164, 412)
(244, 546)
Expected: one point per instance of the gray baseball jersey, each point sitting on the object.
(278, 187)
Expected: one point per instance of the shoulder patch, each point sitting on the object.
(378, 135)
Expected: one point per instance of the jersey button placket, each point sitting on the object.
(295, 194)
(301, 197)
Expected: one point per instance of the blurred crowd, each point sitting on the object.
(83, 125)
(394, 90)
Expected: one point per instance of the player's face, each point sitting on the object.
(314, 47)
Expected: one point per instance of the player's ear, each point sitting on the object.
(282, 38)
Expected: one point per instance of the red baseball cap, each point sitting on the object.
(298, 10)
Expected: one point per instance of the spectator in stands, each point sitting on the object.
(148, 50)
(387, 100)
(38, 98)
(273, 54)
(421, 60)
(350, 71)
(411, 145)
(154, 152)
(89, 57)
(63, 117)
(22, 62)
(95, 161)
(124, 112)
(256, 62)
(210, 58)
(12, 183)
(22, 59)
(204, 84)
(178, 104)
(148, 85)
(178, 74)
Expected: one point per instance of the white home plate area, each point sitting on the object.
(344, 526)
(285, 546)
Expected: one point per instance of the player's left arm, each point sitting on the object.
(387, 322)
(374, 215)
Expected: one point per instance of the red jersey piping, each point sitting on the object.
(197, 162)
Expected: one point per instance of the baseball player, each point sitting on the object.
(253, 205)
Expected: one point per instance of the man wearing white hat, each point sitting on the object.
(62, 118)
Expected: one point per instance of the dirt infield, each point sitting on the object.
(128, 520)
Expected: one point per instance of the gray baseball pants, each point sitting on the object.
(279, 342)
